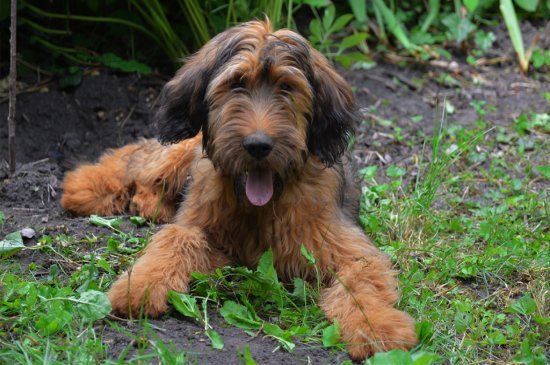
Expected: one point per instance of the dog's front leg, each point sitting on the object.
(362, 298)
(167, 263)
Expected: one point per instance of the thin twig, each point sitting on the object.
(29, 89)
(12, 85)
(384, 81)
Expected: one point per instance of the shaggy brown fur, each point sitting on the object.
(266, 172)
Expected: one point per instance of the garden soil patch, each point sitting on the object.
(56, 129)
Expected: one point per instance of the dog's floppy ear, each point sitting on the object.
(183, 109)
(335, 114)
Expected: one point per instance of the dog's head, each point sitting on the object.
(265, 101)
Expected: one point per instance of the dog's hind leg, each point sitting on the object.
(159, 174)
(145, 177)
(99, 188)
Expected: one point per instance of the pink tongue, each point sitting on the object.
(259, 186)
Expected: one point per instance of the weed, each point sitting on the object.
(474, 269)
(322, 30)
(245, 297)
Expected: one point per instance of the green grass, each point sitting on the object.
(474, 263)
(469, 236)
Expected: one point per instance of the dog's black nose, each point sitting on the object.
(258, 144)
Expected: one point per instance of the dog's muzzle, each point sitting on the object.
(258, 145)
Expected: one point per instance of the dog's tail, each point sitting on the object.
(145, 177)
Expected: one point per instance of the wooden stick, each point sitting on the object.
(12, 85)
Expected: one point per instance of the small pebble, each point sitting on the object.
(28, 232)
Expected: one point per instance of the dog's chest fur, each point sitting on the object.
(294, 218)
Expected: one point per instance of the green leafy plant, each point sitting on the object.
(322, 32)
(64, 31)
(11, 244)
(470, 238)
(540, 58)
(187, 305)
(391, 22)
(245, 296)
(510, 18)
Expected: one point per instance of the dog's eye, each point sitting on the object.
(286, 87)
(237, 83)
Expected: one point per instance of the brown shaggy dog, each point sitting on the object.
(265, 172)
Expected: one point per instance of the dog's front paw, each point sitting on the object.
(387, 329)
(134, 294)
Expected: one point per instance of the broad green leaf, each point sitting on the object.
(419, 37)
(525, 306)
(31, 295)
(276, 332)
(528, 5)
(93, 305)
(331, 335)
(462, 321)
(484, 40)
(299, 291)
(458, 27)
(394, 357)
(395, 171)
(544, 171)
(359, 8)
(538, 58)
(239, 316)
(496, 338)
(315, 29)
(215, 339)
(54, 320)
(368, 172)
(137, 221)
(356, 59)
(11, 244)
(341, 22)
(471, 5)
(185, 304)
(115, 62)
(424, 330)
(265, 266)
(425, 358)
(113, 223)
(352, 40)
(328, 17)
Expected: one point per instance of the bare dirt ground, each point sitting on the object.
(57, 128)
